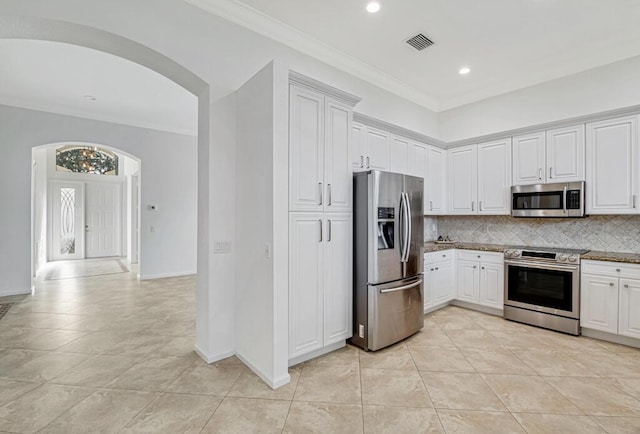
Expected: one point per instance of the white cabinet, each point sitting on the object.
(319, 136)
(494, 177)
(610, 297)
(417, 166)
(439, 278)
(463, 166)
(370, 148)
(320, 281)
(435, 200)
(552, 156)
(612, 166)
(480, 178)
(398, 154)
(481, 278)
(565, 154)
(528, 159)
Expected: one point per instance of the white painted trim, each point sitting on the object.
(268, 26)
(212, 358)
(273, 383)
(164, 275)
(16, 292)
(386, 126)
(342, 96)
(609, 337)
(478, 307)
(317, 353)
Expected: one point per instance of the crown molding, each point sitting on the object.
(268, 26)
(395, 129)
(340, 95)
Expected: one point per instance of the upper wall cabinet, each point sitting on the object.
(463, 192)
(480, 178)
(435, 200)
(320, 137)
(398, 154)
(552, 156)
(494, 177)
(370, 148)
(613, 176)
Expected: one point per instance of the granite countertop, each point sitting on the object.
(434, 247)
(629, 258)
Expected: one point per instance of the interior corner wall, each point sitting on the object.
(608, 87)
(255, 334)
(40, 208)
(169, 180)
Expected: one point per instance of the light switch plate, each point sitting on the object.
(222, 246)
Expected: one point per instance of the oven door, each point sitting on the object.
(541, 287)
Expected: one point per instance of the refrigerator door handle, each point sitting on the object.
(406, 226)
(408, 249)
(403, 235)
(401, 288)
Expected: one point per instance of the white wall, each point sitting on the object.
(40, 169)
(605, 88)
(259, 310)
(169, 181)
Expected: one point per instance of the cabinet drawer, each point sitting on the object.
(438, 256)
(612, 269)
(476, 255)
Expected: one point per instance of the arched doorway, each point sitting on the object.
(17, 272)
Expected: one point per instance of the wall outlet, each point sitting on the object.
(222, 246)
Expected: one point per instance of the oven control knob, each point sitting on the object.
(508, 253)
(563, 258)
(573, 258)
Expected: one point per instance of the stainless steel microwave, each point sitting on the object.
(563, 199)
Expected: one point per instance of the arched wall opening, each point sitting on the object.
(15, 253)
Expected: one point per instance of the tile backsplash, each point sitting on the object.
(605, 233)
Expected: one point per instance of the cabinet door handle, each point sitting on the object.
(480, 206)
(550, 172)
(431, 269)
(320, 222)
(329, 230)
(329, 194)
(610, 284)
(472, 205)
(482, 268)
(540, 173)
(633, 199)
(618, 270)
(368, 166)
(436, 268)
(430, 205)
(361, 161)
(626, 285)
(474, 267)
(320, 191)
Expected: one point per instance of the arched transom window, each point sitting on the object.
(86, 159)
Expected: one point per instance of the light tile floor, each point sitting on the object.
(110, 354)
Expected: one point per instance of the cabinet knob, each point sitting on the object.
(478, 256)
(436, 268)
(610, 284)
(626, 285)
(431, 269)
(482, 268)
(618, 270)
(474, 267)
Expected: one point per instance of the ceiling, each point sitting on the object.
(508, 44)
(60, 78)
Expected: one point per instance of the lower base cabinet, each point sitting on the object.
(480, 278)
(610, 298)
(320, 281)
(439, 278)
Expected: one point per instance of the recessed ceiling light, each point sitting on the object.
(464, 70)
(90, 97)
(373, 7)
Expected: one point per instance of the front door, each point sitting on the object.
(102, 224)
(67, 220)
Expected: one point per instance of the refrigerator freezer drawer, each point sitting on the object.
(395, 312)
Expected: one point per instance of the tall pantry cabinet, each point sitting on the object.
(320, 218)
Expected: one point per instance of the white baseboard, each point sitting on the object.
(165, 275)
(478, 307)
(274, 383)
(610, 337)
(9, 293)
(212, 358)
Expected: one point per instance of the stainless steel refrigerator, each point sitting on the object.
(388, 242)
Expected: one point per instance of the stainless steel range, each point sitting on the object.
(542, 287)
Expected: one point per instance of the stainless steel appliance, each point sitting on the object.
(542, 287)
(564, 199)
(388, 242)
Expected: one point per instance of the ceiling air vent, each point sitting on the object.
(420, 42)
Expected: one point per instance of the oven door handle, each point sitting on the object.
(542, 265)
